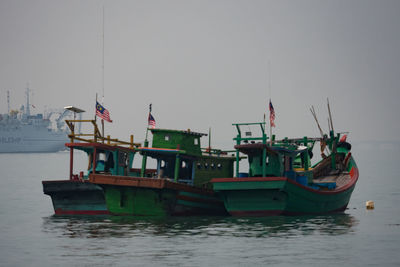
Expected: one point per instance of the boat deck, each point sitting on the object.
(341, 179)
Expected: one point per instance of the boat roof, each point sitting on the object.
(154, 151)
(188, 132)
(91, 146)
(256, 148)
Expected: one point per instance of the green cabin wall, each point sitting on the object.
(207, 168)
(194, 167)
(274, 167)
(172, 139)
(203, 169)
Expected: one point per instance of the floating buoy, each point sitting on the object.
(369, 205)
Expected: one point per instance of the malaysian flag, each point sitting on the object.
(151, 121)
(102, 112)
(271, 114)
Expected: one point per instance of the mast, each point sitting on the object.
(102, 66)
(8, 102)
(209, 140)
(146, 144)
(28, 111)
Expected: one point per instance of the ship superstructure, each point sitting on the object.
(21, 131)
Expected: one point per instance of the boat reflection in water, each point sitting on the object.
(105, 227)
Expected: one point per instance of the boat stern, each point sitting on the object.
(252, 196)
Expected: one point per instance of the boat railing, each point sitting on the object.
(248, 136)
(213, 151)
(96, 136)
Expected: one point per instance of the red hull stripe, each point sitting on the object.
(81, 212)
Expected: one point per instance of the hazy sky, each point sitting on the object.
(206, 63)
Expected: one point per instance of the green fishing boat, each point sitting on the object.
(76, 195)
(281, 179)
(180, 185)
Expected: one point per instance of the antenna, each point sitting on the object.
(330, 115)
(316, 120)
(28, 111)
(102, 66)
(8, 102)
(209, 139)
(269, 78)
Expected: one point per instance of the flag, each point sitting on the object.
(151, 121)
(102, 112)
(271, 114)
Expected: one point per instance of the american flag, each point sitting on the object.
(102, 112)
(271, 114)
(152, 121)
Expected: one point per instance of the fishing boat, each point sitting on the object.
(281, 179)
(76, 195)
(180, 185)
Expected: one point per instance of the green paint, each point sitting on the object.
(177, 167)
(123, 200)
(271, 195)
(179, 159)
(144, 159)
(174, 139)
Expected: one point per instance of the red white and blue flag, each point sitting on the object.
(271, 114)
(102, 112)
(151, 121)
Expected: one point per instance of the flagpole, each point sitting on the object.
(270, 95)
(147, 129)
(95, 114)
(146, 144)
(270, 123)
(270, 134)
(102, 128)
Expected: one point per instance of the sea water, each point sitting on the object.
(30, 235)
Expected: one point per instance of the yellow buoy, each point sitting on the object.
(369, 205)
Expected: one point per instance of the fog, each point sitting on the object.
(208, 64)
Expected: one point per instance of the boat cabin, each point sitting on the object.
(105, 155)
(270, 158)
(291, 158)
(180, 158)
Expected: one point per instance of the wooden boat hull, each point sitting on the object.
(70, 197)
(156, 197)
(268, 196)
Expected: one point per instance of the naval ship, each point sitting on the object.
(23, 132)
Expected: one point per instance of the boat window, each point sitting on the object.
(196, 141)
(267, 160)
(109, 161)
(219, 166)
(167, 138)
(199, 165)
(123, 159)
(206, 165)
(162, 164)
(102, 156)
(183, 164)
(213, 166)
